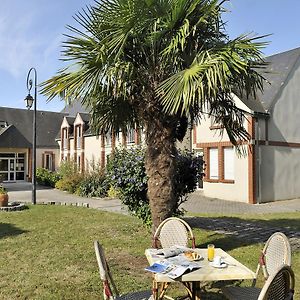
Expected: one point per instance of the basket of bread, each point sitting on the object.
(192, 255)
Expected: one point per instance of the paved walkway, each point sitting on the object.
(254, 231)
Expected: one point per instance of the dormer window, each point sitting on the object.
(3, 124)
(65, 138)
(78, 133)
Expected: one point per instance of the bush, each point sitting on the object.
(67, 168)
(70, 178)
(46, 177)
(93, 185)
(69, 183)
(188, 171)
(127, 174)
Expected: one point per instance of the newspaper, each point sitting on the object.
(174, 266)
(172, 251)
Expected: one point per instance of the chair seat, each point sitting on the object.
(140, 295)
(241, 293)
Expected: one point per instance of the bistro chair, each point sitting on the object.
(173, 231)
(110, 291)
(279, 286)
(276, 252)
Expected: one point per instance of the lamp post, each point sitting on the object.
(29, 100)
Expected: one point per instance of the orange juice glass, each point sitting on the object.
(210, 252)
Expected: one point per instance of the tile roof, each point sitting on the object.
(75, 107)
(19, 130)
(276, 74)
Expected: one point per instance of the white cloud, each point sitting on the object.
(17, 44)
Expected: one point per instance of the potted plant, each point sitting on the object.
(3, 196)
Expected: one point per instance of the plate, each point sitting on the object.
(221, 266)
(194, 257)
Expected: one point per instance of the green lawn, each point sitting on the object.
(47, 252)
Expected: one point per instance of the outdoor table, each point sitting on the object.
(191, 280)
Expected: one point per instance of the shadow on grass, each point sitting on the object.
(7, 230)
(240, 232)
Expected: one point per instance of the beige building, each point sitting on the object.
(16, 142)
(271, 170)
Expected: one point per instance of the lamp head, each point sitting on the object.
(29, 101)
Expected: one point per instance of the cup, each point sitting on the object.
(217, 261)
(210, 252)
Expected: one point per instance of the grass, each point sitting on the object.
(47, 251)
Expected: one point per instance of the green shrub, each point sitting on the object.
(126, 172)
(67, 168)
(46, 177)
(69, 183)
(188, 171)
(93, 185)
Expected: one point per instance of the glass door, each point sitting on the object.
(4, 169)
(12, 171)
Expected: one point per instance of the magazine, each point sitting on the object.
(174, 266)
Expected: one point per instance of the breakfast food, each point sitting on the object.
(191, 255)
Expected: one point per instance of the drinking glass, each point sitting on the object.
(210, 252)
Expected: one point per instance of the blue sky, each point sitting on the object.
(31, 33)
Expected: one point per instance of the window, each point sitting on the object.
(65, 138)
(228, 163)
(78, 136)
(48, 161)
(130, 135)
(213, 163)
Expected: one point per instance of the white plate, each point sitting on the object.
(221, 266)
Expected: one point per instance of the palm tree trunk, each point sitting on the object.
(160, 168)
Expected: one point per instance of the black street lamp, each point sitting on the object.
(29, 101)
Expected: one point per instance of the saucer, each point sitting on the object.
(221, 266)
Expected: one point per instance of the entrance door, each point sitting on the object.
(12, 167)
(12, 171)
(7, 169)
(4, 169)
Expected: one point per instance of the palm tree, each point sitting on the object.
(157, 63)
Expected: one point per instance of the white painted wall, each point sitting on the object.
(280, 173)
(237, 191)
(280, 165)
(92, 149)
(285, 113)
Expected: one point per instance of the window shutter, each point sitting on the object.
(43, 160)
(53, 162)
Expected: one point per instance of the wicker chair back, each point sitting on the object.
(277, 252)
(280, 285)
(110, 291)
(173, 231)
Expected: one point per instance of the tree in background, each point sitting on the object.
(156, 63)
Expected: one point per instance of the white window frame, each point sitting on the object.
(214, 163)
(228, 163)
